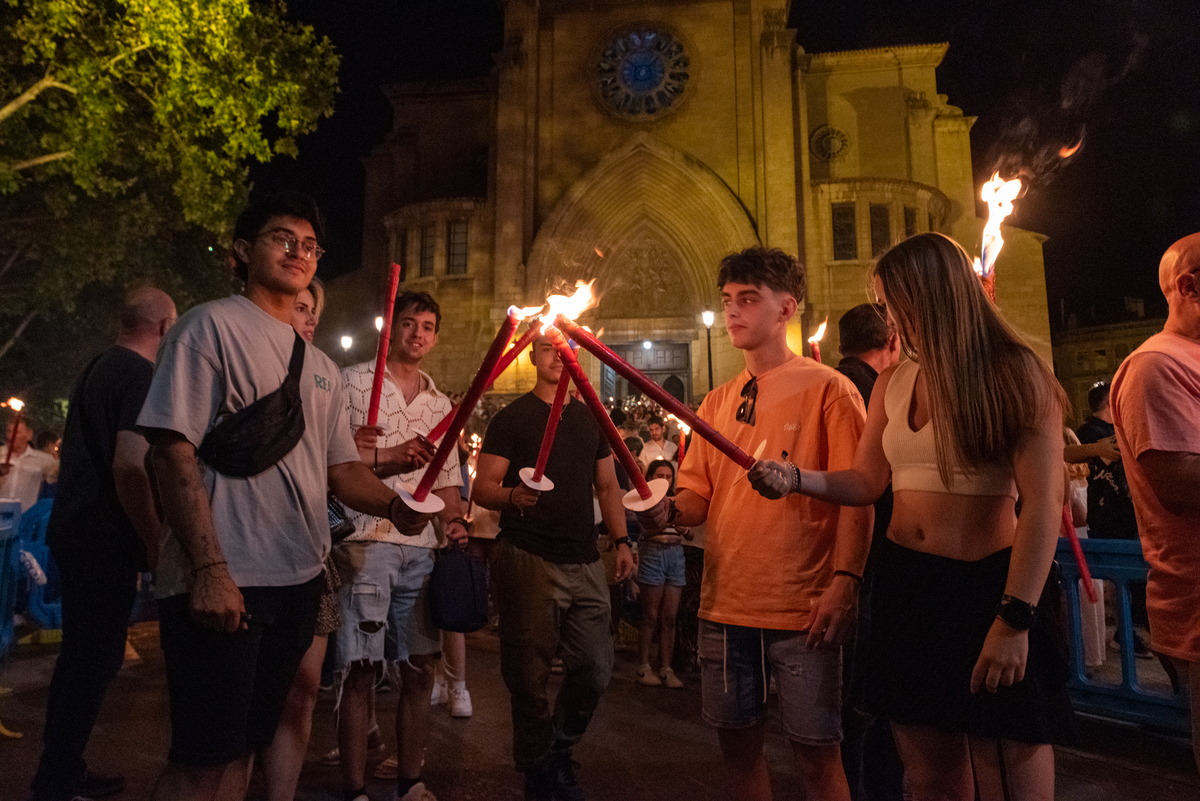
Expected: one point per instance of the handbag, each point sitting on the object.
(339, 526)
(458, 599)
(254, 438)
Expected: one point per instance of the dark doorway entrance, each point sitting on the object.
(668, 364)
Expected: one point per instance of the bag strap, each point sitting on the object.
(296, 365)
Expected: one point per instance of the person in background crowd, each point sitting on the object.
(550, 582)
(27, 467)
(624, 427)
(657, 447)
(103, 532)
(1091, 615)
(660, 578)
(869, 345)
(48, 442)
(282, 760)
(239, 575)
(780, 579)
(964, 657)
(1155, 406)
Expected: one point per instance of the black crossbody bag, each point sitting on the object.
(253, 439)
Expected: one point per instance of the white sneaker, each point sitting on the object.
(440, 696)
(416, 793)
(460, 703)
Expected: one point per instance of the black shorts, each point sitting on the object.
(227, 690)
(929, 617)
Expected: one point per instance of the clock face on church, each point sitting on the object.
(642, 73)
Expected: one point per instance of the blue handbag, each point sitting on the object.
(458, 598)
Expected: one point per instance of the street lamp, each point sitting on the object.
(708, 318)
(378, 323)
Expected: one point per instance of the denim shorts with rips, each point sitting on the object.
(383, 603)
(736, 664)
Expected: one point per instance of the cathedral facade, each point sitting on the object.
(637, 143)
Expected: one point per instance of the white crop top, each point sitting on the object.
(913, 454)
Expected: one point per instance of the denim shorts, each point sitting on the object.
(384, 603)
(736, 663)
(660, 564)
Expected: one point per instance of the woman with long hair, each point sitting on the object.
(660, 578)
(965, 658)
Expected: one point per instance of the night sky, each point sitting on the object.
(1123, 74)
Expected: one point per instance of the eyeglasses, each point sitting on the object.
(309, 251)
(745, 412)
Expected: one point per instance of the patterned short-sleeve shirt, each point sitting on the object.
(401, 421)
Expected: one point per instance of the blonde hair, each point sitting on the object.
(986, 387)
(317, 290)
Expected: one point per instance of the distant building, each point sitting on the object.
(1083, 356)
(638, 144)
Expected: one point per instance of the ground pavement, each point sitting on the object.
(644, 743)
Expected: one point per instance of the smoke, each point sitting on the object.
(1047, 125)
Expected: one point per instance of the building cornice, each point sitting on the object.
(918, 55)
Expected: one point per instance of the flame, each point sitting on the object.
(683, 427)
(817, 337)
(471, 470)
(1067, 152)
(16, 404)
(570, 307)
(475, 442)
(525, 313)
(999, 196)
(600, 253)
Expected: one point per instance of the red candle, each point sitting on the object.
(385, 336)
(682, 448)
(560, 397)
(474, 393)
(815, 347)
(509, 356)
(655, 392)
(1069, 529)
(571, 365)
(13, 403)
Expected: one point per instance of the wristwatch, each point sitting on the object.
(1016, 613)
(619, 541)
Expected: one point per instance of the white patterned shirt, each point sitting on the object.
(401, 422)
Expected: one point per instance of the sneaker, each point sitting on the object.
(562, 773)
(417, 793)
(1140, 649)
(460, 703)
(98, 785)
(670, 679)
(539, 783)
(647, 676)
(388, 769)
(440, 696)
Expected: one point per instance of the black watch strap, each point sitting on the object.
(619, 541)
(1016, 613)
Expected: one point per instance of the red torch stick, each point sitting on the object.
(655, 392)
(385, 336)
(536, 478)
(509, 356)
(474, 393)
(17, 405)
(1086, 575)
(642, 496)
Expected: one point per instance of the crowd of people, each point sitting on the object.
(886, 570)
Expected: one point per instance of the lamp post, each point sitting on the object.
(708, 318)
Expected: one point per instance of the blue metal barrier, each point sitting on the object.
(10, 571)
(1118, 561)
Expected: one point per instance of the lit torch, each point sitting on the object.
(16, 404)
(684, 430)
(999, 196)
(814, 342)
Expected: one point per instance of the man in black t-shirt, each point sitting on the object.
(103, 531)
(1110, 506)
(550, 583)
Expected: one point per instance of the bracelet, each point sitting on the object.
(391, 504)
(796, 488)
(462, 521)
(854, 576)
(510, 497)
(210, 564)
(619, 541)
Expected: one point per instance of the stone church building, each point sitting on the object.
(637, 143)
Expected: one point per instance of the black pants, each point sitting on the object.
(98, 591)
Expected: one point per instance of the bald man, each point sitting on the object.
(103, 532)
(1156, 410)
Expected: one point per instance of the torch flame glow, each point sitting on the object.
(525, 313)
(683, 427)
(817, 337)
(16, 404)
(600, 253)
(999, 196)
(1067, 152)
(570, 307)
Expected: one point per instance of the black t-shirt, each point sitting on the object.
(862, 374)
(864, 377)
(105, 399)
(561, 528)
(1110, 506)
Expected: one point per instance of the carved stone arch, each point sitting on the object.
(648, 221)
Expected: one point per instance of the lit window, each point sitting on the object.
(845, 238)
(456, 247)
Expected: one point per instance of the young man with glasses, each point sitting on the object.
(239, 575)
(780, 576)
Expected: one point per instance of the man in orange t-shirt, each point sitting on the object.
(1156, 405)
(780, 577)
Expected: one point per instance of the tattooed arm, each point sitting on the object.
(216, 600)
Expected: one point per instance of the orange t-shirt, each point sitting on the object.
(766, 562)
(1156, 406)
